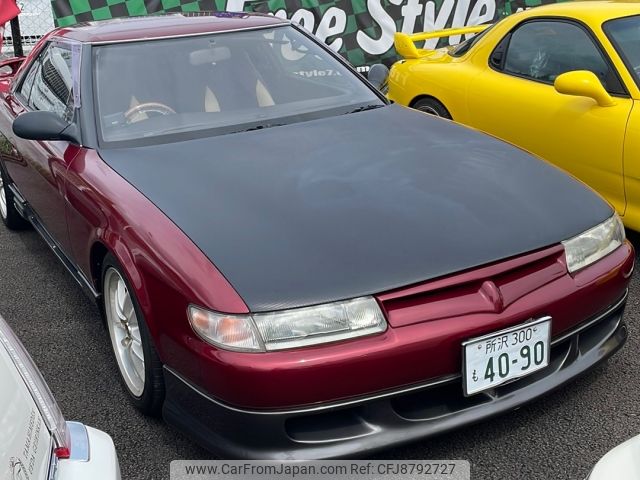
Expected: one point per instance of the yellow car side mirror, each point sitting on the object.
(582, 83)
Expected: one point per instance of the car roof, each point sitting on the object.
(162, 26)
(590, 12)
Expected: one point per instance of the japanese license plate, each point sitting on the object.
(506, 355)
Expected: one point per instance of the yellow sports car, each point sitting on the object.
(560, 80)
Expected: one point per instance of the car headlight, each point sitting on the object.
(597, 242)
(289, 328)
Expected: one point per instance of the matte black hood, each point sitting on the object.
(357, 204)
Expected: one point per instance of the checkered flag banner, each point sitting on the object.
(361, 30)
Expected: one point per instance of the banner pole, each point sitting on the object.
(16, 37)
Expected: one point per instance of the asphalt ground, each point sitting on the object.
(560, 436)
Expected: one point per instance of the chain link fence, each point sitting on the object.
(22, 33)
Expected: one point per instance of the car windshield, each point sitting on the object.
(161, 90)
(624, 33)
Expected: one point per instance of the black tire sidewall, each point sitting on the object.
(152, 398)
(14, 220)
(433, 105)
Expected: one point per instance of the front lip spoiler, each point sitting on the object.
(321, 407)
(361, 426)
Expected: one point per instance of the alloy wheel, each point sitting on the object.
(124, 330)
(429, 110)
(3, 199)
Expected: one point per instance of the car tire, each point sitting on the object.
(432, 107)
(138, 363)
(8, 211)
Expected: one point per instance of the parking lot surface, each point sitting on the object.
(558, 437)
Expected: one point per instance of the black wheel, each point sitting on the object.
(8, 211)
(432, 107)
(138, 362)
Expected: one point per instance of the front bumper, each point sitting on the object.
(358, 427)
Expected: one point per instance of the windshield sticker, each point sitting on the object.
(319, 73)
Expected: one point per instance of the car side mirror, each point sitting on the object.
(378, 75)
(582, 83)
(42, 125)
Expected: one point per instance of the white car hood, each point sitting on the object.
(25, 441)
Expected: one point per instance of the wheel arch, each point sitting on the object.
(425, 96)
(97, 255)
(447, 111)
(111, 244)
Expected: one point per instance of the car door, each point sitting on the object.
(38, 168)
(514, 98)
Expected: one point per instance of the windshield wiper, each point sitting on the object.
(178, 129)
(364, 108)
(260, 127)
(202, 126)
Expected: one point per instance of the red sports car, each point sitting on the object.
(289, 266)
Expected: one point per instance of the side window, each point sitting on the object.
(53, 84)
(543, 50)
(27, 83)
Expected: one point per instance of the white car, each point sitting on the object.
(621, 463)
(35, 441)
